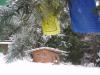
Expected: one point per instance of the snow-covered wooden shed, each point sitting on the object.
(46, 55)
(4, 46)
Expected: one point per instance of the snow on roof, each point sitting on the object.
(48, 48)
(6, 42)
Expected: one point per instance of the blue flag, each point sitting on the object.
(84, 19)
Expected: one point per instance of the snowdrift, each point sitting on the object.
(24, 67)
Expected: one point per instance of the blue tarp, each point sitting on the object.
(84, 19)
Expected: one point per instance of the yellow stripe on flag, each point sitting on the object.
(50, 25)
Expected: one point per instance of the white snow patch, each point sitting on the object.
(97, 3)
(29, 68)
(48, 48)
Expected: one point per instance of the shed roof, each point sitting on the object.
(47, 48)
(6, 42)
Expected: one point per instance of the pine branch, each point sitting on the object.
(25, 33)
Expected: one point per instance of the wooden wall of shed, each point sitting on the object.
(46, 56)
(4, 47)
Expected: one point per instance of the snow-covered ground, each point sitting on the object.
(29, 68)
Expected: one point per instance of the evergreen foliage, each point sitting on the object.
(0, 49)
(21, 20)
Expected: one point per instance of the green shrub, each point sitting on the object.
(1, 49)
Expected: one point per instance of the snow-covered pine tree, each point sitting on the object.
(21, 20)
